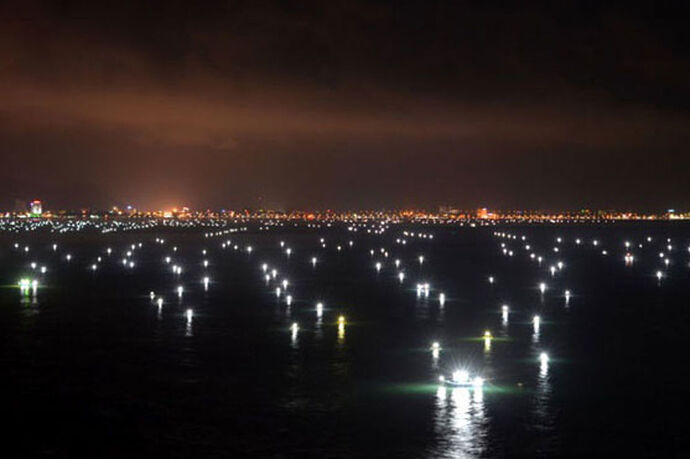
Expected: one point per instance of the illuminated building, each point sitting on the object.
(36, 208)
(484, 214)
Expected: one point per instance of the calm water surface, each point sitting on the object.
(91, 366)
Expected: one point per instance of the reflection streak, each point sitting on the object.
(460, 422)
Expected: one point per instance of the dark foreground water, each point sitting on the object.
(92, 367)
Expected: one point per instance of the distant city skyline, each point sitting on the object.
(36, 208)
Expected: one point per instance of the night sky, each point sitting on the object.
(345, 104)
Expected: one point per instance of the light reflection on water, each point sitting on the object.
(544, 418)
(341, 335)
(318, 329)
(441, 314)
(460, 422)
(188, 332)
(294, 338)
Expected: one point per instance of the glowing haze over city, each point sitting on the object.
(343, 105)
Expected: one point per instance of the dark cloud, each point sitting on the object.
(344, 104)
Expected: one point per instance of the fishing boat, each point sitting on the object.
(461, 378)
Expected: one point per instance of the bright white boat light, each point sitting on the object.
(461, 376)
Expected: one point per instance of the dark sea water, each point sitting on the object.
(91, 367)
